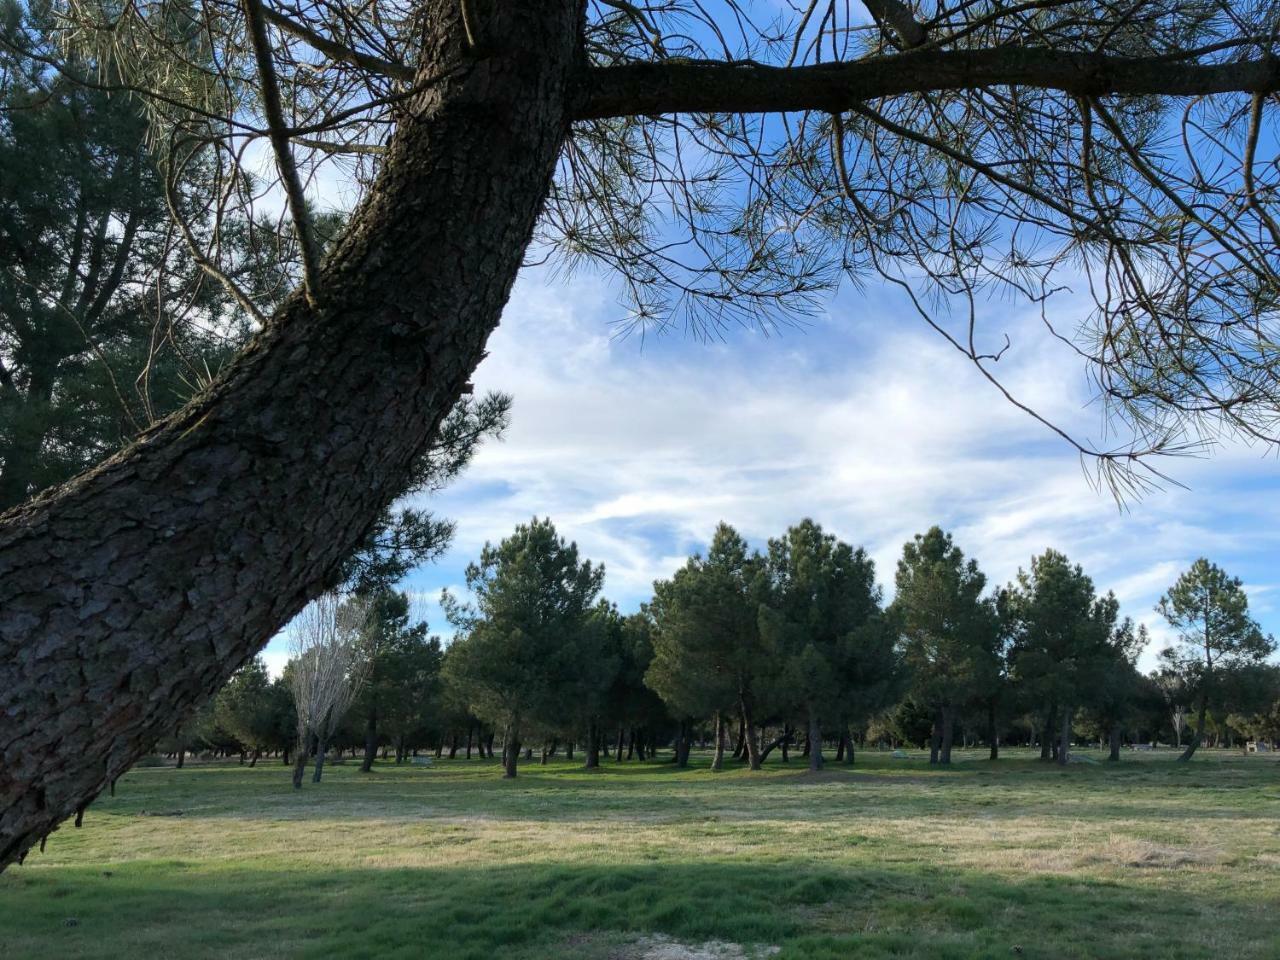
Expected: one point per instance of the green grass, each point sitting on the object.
(1146, 858)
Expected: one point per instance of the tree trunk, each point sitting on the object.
(321, 748)
(182, 755)
(753, 742)
(993, 739)
(453, 744)
(1047, 737)
(622, 736)
(848, 746)
(935, 738)
(786, 743)
(253, 760)
(682, 744)
(948, 734)
(370, 740)
(593, 746)
(489, 744)
(717, 759)
(740, 744)
(510, 755)
(1064, 740)
(284, 755)
(816, 760)
(300, 764)
(470, 731)
(131, 594)
(1198, 735)
(1114, 737)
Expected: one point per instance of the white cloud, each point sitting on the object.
(867, 422)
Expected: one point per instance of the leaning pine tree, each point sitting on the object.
(958, 149)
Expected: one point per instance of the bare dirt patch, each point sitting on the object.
(660, 947)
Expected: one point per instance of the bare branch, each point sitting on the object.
(253, 11)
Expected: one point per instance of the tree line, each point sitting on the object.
(790, 649)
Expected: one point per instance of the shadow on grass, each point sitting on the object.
(234, 910)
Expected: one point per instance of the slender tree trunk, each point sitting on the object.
(453, 744)
(131, 594)
(253, 760)
(489, 744)
(753, 741)
(284, 756)
(321, 748)
(935, 739)
(622, 735)
(182, 756)
(1047, 737)
(1064, 739)
(1198, 735)
(717, 759)
(993, 738)
(787, 733)
(471, 730)
(370, 739)
(816, 760)
(510, 754)
(593, 746)
(682, 745)
(1114, 737)
(300, 763)
(848, 746)
(948, 734)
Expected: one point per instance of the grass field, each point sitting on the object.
(1145, 858)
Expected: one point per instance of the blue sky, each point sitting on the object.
(864, 420)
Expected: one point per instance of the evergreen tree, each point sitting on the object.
(533, 600)
(707, 646)
(1216, 635)
(947, 630)
(248, 708)
(105, 323)
(1065, 636)
(823, 612)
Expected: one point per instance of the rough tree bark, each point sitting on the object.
(717, 758)
(510, 755)
(816, 760)
(177, 559)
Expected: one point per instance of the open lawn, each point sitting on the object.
(1145, 858)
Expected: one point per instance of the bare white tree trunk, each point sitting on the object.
(327, 667)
